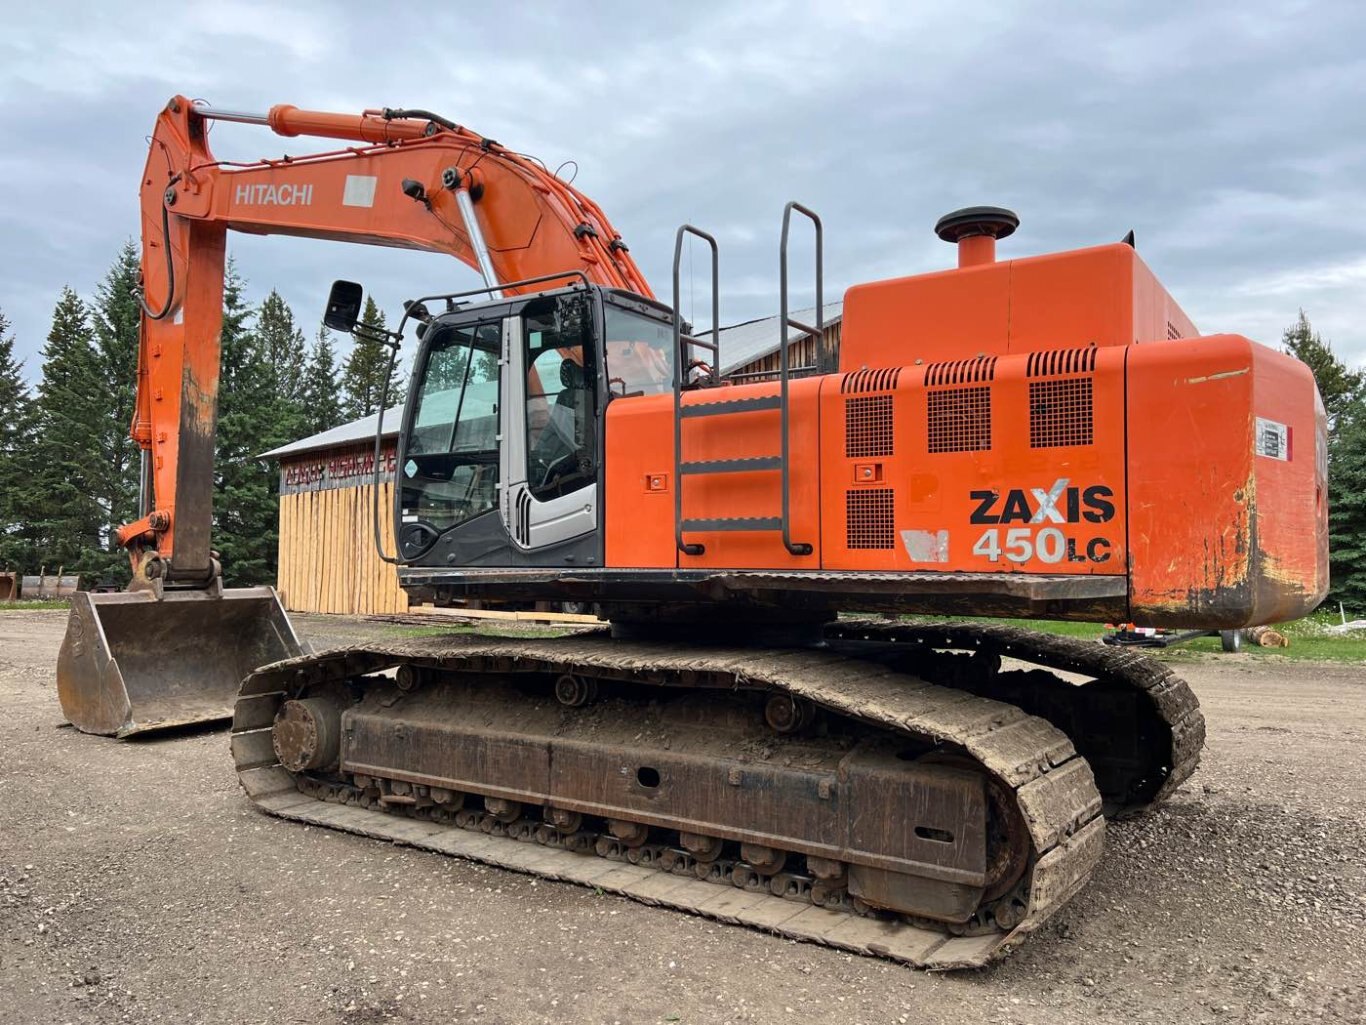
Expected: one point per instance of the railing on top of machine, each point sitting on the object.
(683, 364)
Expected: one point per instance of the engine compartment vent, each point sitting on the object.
(870, 518)
(1061, 361)
(959, 420)
(868, 427)
(870, 380)
(978, 370)
(1060, 412)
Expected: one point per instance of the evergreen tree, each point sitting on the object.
(282, 347)
(245, 514)
(1344, 399)
(363, 375)
(116, 315)
(1347, 509)
(16, 435)
(322, 390)
(1339, 386)
(67, 466)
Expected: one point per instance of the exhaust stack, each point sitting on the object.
(975, 230)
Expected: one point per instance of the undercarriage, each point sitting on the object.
(926, 793)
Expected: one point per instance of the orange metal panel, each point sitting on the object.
(950, 315)
(638, 514)
(1227, 518)
(1104, 296)
(1013, 506)
(1084, 297)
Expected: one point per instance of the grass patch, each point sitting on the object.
(33, 606)
(1309, 639)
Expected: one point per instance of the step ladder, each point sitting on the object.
(683, 361)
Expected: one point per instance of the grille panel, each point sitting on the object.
(870, 380)
(1061, 361)
(1060, 413)
(961, 371)
(870, 518)
(868, 426)
(959, 420)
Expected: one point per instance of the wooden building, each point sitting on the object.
(749, 351)
(327, 558)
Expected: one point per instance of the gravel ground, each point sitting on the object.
(138, 885)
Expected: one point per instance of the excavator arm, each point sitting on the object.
(174, 647)
(408, 179)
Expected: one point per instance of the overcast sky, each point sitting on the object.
(1230, 137)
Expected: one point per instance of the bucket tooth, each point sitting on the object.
(132, 663)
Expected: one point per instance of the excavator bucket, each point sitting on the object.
(133, 663)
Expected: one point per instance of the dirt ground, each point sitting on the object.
(138, 885)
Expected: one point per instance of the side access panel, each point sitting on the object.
(1009, 464)
(1227, 468)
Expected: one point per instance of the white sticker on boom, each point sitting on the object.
(360, 190)
(1272, 440)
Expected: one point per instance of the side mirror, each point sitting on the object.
(343, 306)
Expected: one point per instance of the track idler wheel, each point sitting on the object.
(787, 714)
(307, 734)
(575, 691)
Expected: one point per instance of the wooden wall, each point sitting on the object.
(327, 552)
(801, 353)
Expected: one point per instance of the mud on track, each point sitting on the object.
(124, 898)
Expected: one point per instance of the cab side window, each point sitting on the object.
(559, 404)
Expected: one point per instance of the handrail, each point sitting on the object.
(681, 368)
(784, 371)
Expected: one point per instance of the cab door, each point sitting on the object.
(549, 451)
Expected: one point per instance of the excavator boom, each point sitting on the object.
(172, 650)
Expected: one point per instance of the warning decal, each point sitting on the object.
(1272, 440)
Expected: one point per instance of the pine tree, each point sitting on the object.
(116, 318)
(322, 390)
(60, 498)
(363, 375)
(1343, 391)
(282, 347)
(16, 435)
(1347, 509)
(245, 514)
(1339, 386)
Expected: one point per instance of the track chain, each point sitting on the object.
(1176, 751)
(1051, 784)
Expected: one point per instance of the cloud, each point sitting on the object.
(1231, 137)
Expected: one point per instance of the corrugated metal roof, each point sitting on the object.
(744, 343)
(347, 434)
(740, 344)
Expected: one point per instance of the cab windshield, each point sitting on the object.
(450, 469)
(640, 350)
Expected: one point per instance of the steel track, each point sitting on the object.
(1051, 785)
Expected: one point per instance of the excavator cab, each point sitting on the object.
(501, 447)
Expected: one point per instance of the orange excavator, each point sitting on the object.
(1047, 436)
